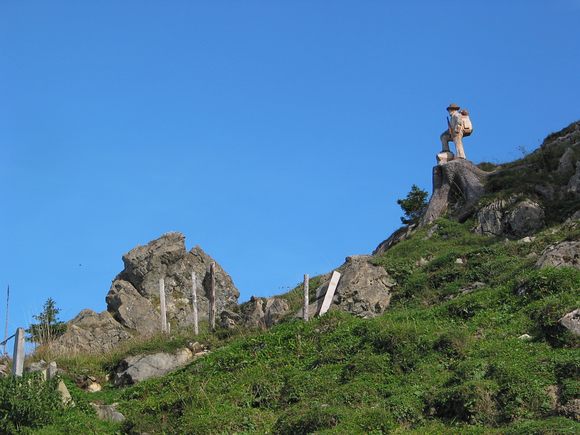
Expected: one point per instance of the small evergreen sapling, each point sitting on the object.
(413, 205)
(48, 327)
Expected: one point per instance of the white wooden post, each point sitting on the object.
(306, 296)
(212, 296)
(162, 305)
(329, 293)
(194, 302)
(18, 357)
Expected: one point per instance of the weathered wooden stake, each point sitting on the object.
(306, 296)
(212, 296)
(194, 302)
(329, 293)
(162, 306)
(18, 357)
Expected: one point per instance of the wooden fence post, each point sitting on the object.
(212, 296)
(306, 297)
(194, 302)
(18, 357)
(162, 305)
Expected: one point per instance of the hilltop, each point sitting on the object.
(466, 322)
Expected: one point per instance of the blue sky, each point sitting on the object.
(277, 135)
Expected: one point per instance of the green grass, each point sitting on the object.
(445, 358)
(440, 360)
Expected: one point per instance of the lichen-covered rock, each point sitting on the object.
(564, 254)
(510, 217)
(131, 309)
(134, 296)
(137, 368)
(364, 289)
(525, 218)
(90, 332)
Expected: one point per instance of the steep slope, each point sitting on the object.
(481, 334)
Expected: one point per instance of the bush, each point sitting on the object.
(28, 402)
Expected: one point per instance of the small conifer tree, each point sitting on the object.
(48, 327)
(413, 205)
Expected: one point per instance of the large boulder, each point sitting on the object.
(512, 217)
(134, 295)
(564, 254)
(131, 309)
(457, 186)
(137, 368)
(525, 218)
(364, 289)
(90, 332)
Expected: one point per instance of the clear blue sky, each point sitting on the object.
(277, 135)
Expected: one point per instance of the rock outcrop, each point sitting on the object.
(137, 368)
(512, 217)
(564, 254)
(457, 186)
(134, 296)
(90, 332)
(364, 289)
(133, 299)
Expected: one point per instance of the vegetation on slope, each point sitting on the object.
(445, 357)
(448, 356)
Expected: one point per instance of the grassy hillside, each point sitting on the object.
(446, 357)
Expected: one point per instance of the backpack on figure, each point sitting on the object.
(467, 126)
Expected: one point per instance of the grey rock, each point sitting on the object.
(90, 332)
(573, 186)
(526, 218)
(263, 312)
(108, 412)
(525, 337)
(514, 217)
(131, 309)
(364, 289)
(457, 186)
(64, 394)
(490, 219)
(230, 319)
(137, 368)
(564, 254)
(567, 161)
(571, 322)
(166, 257)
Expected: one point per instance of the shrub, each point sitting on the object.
(28, 402)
